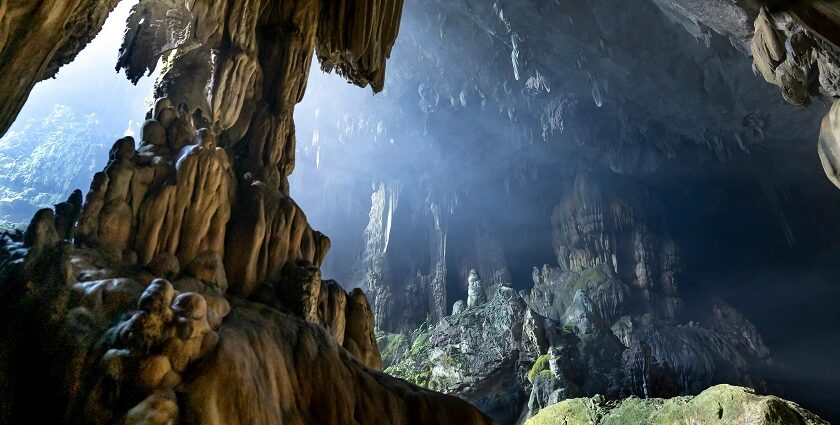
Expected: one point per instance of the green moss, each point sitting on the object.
(721, 404)
(586, 281)
(576, 411)
(594, 275)
(540, 366)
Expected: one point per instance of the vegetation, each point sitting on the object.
(389, 344)
(540, 368)
(721, 404)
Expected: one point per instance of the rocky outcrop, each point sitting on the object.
(593, 227)
(602, 322)
(721, 404)
(474, 354)
(141, 349)
(191, 269)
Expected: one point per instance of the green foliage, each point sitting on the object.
(389, 344)
(421, 341)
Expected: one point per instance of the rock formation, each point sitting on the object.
(603, 321)
(474, 354)
(403, 266)
(475, 290)
(593, 227)
(721, 404)
(191, 271)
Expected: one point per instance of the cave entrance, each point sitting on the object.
(67, 126)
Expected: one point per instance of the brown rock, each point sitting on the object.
(359, 337)
(207, 266)
(41, 230)
(165, 265)
(115, 225)
(153, 132)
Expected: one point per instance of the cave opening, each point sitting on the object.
(534, 203)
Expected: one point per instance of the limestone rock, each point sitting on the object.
(359, 339)
(165, 265)
(473, 354)
(41, 231)
(66, 214)
(828, 146)
(458, 307)
(353, 47)
(475, 291)
(207, 267)
(204, 198)
(723, 404)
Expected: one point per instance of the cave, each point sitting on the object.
(271, 212)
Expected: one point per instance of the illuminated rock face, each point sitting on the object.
(189, 290)
(722, 404)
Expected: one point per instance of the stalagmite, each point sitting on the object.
(191, 289)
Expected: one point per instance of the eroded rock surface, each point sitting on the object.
(189, 290)
(721, 404)
(604, 320)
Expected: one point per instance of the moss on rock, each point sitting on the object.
(720, 404)
(540, 366)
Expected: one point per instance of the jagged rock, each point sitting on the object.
(554, 291)
(474, 354)
(699, 354)
(723, 404)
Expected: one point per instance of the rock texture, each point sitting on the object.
(404, 263)
(474, 354)
(191, 271)
(603, 321)
(721, 404)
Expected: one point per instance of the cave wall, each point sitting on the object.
(191, 267)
